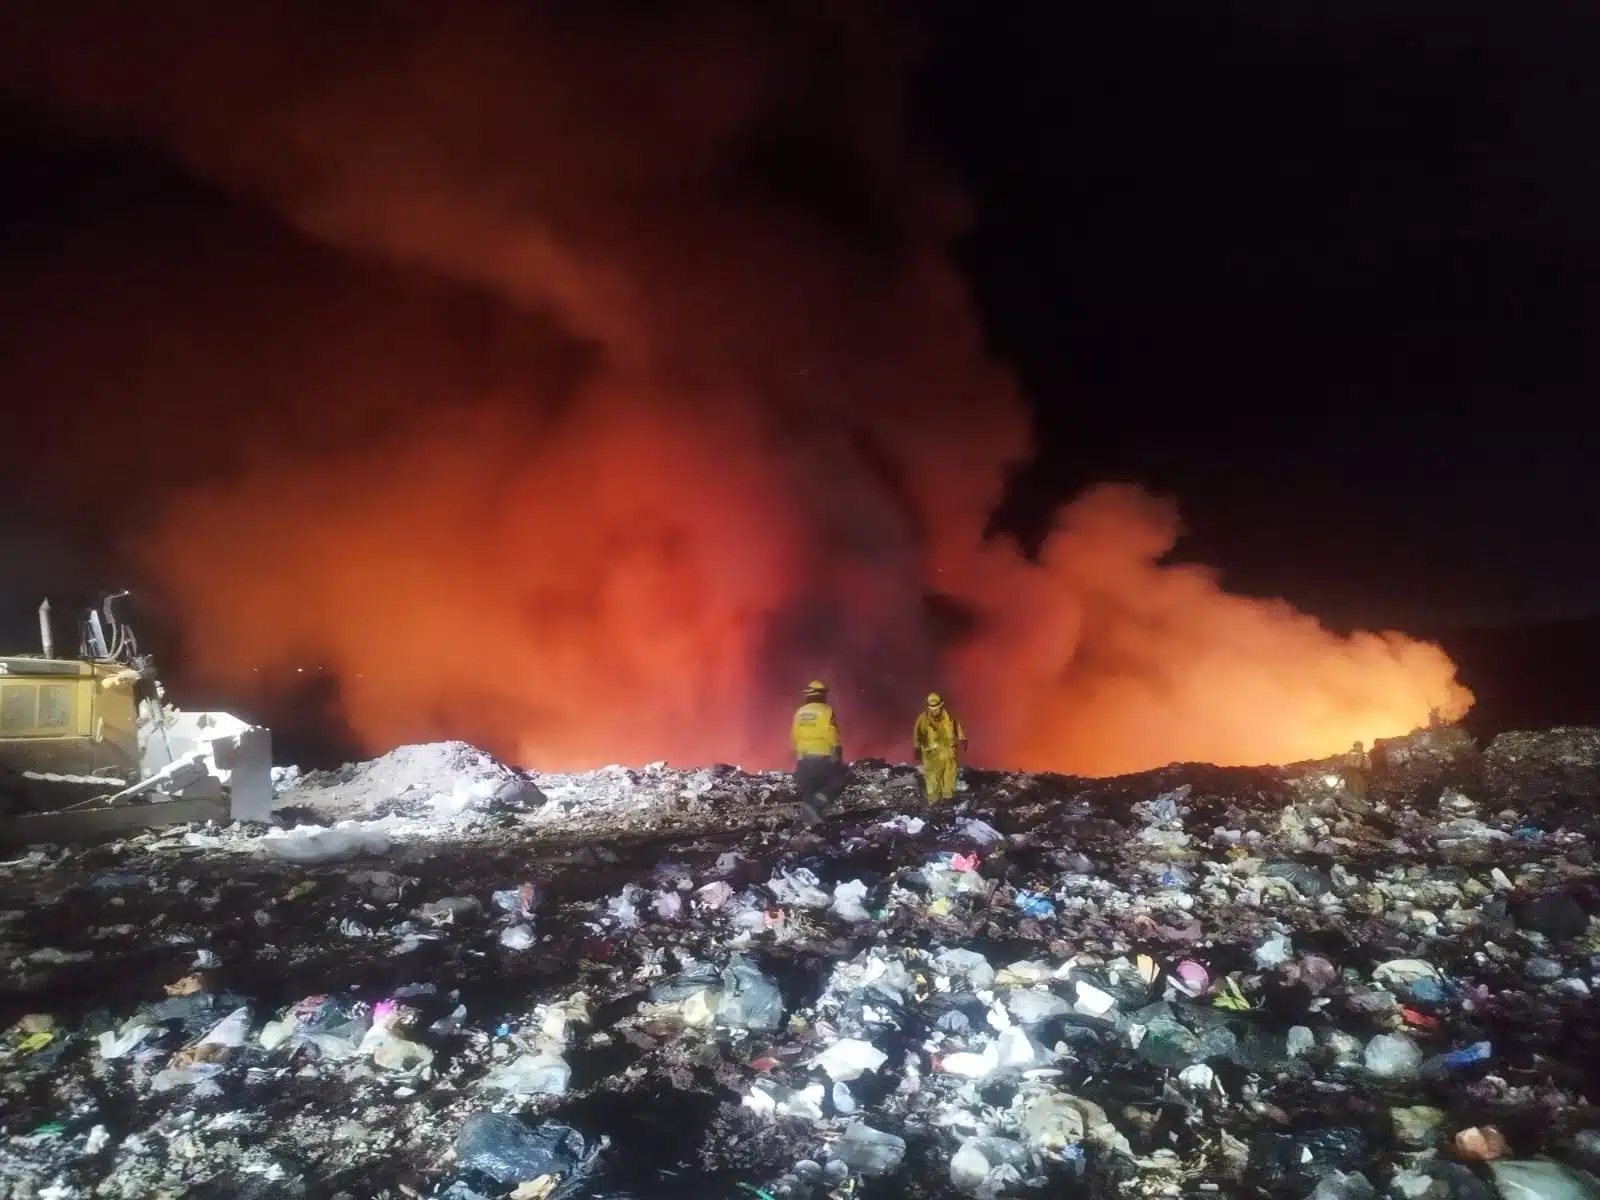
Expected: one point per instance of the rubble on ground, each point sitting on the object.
(446, 978)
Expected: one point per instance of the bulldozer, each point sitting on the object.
(93, 733)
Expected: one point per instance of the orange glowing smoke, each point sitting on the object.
(767, 451)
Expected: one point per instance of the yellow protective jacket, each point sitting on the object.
(815, 733)
(937, 732)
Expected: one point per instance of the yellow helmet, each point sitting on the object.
(935, 700)
(816, 688)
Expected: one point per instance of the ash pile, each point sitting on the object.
(440, 977)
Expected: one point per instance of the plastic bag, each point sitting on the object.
(1274, 952)
(1402, 975)
(1034, 905)
(201, 1076)
(750, 999)
(531, 1075)
(398, 1054)
(849, 1059)
(451, 1023)
(517, 937)
(335, 1040)
(451, 910)
(1442, 1066)
(798, 888)
(230, 1031)
(1052, 1122)
(1162, 809)
(847, 901)
(1029, 1006)
(1392, 1056)
(988, 1164)
(969, 1065)
(768, 1098)
(314, 844)
(1167, 1044)
(715, 895)
(1542, 1179)
(910, 826)
(696, 977)
(508, 1150)
(123, 1041)
(1024, 973)
(979, 831)
(869, 1151)
(1092, 1001)
(668, 905)
(1308, 881)
(969, 964)
(624, 909)
(519, 902)
(1015, 1049)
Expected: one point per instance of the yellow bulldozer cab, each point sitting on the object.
(66, 717)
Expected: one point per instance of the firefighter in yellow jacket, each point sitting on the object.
(819, 771)
(939, 739)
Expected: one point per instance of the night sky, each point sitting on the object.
(1329, 274)
(1324, 273)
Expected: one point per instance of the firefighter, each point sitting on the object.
(819, 774)
(1357, 773)
(938, 739)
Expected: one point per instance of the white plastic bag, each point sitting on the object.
(531, 1075)
(230, 1031)
(847, 901)
(1029, 1006)
(715, 895)
(1393, 1056)
(123, 1041)
(516, 937)
(798, 888)
(315, 844)
(1092, 1001)
(849, 1059)
(968, 964)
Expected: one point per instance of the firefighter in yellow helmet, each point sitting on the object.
(819, 772)
(939, 739)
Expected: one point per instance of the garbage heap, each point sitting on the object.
(1302, 981)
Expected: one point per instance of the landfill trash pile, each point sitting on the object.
(451, 979)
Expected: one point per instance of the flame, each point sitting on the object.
(729, 434)
(613, 595)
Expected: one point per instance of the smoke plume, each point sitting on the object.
(747, 433)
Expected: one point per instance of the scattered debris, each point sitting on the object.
(451, 979)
